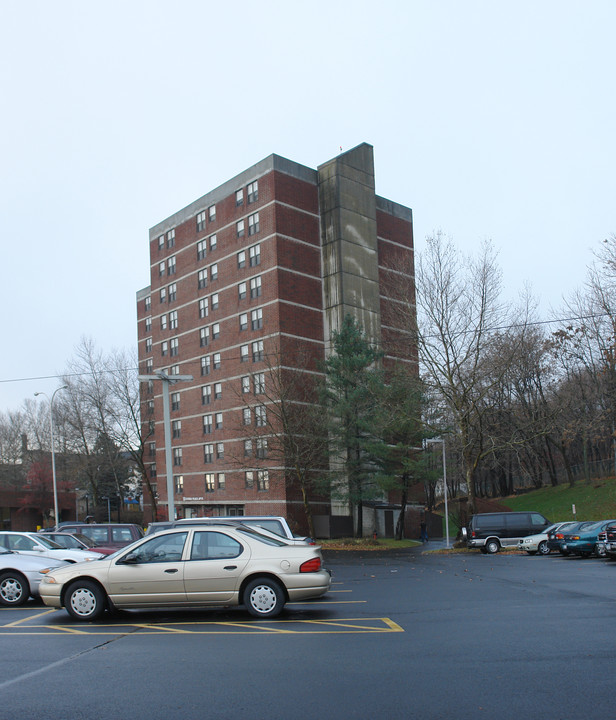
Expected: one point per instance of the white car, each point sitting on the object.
(533, 544)
(20, 576)
(27, 543)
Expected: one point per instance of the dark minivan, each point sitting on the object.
(114, 535)
(491, 531)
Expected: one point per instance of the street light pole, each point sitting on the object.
(167, 380)
(53, 454)
(442, 441)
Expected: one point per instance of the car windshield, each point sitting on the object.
(85, 540)
(589, 527)
(49, 544)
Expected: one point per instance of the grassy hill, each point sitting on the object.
(594, 500)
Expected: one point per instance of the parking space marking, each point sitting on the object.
(28, 617)
(260, 627)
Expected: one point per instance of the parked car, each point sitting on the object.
(533, 544)
(78, 541)
(194, 565)
(115, 535)
(20, 576)
(556, 537)
(583, 541)
(491, 531)
(275, 524)
(37, 544)
(608, 537)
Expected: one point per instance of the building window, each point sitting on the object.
(240, 228)
(249, 479)
(148, 345)
(161, 242)
(213, 242)
(175, 401)
(220, 451)
(174, 347)
(173, 320)
(173, 292)
(163, 295)
(241, 259)
(171, 238)
(256, 319)
(255, 255)
(216, 361)
(247, 448)
(212, 213)
(246, 416)
(255, 287)
(239, 198)
(206, 394)
(202, 279)
(218, 421)
(245, 384)
(207, 424)
(147, 303)
(152, 449)
(215, 331)
(174, 370)
(214, 272)
(217, 391)
(244, 321)
(253, 192)
(253, 224)
(261, 448)
(171, 265)
(205, 365)
(208, 453)
(161, 268)
(244, 353)
(215, 301)
(164, 348)
(257, 351)
(200, 221)
(149, 388)
(260, 416)
(150, 407)
(204, 307)
(201, 250)
(149, 366)
(221, 481)
(176, 428)
(259, 383)
(148, 324)
(163, 322)
(177, 456)
(241, 290)
(179, 484)
(210, 484)
(204, 337)
(262, 480)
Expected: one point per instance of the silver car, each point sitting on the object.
(27, 543)
(20, 576)
(192, 566)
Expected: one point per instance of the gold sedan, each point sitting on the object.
(196, 566)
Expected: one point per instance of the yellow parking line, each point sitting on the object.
(29, 617)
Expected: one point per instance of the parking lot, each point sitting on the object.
(402, 634)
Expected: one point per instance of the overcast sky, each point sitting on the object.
(489, 119)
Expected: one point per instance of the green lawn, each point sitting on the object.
(594, 500)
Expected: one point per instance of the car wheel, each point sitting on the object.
(543, 548)
(14, 589)
(84, 600)
(492, 546)
(264, 598)
(600, 551)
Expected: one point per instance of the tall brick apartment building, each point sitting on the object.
(264, 266)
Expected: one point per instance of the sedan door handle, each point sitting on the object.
(230, 567)
(171, 570)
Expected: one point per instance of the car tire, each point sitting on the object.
(264, 598)
(600, 552)
(14, 589)
(492, 546)
(85, 600)
(543, 548)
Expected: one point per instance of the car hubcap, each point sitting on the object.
(11, 590)
(83, 602)
(263, 598)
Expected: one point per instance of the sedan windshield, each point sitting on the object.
(49, 544)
